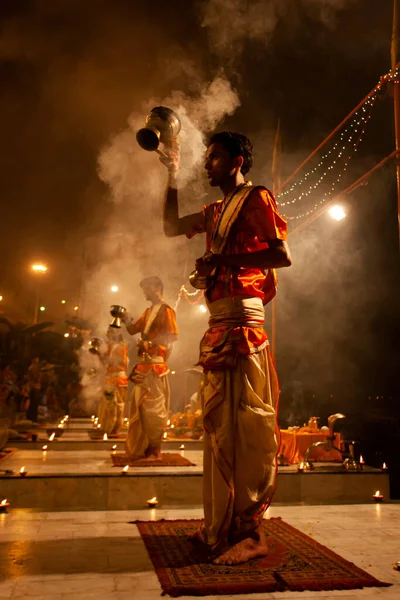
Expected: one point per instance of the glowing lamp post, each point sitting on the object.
(114, 289)
(38, 268)
(336, 212)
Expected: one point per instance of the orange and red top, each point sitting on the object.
(257, 224)
(163, 331)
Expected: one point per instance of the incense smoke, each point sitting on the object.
(133, 244)
(232, 23)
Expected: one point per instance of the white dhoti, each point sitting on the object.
(148, 414)
(241, 439)
(111, 409)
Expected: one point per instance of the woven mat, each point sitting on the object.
(167, 460)
(295, 562)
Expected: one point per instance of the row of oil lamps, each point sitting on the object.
(303, 466)
(5, 505)
(377, 497)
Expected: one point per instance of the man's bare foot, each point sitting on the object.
(152, 453)
(250, 547)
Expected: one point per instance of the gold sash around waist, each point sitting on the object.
(236, 312)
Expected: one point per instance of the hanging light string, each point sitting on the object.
(332, 190)
(342, 146)
(184, 293)
(347, 149)
(392, 76)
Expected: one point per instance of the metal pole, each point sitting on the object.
(276, 183)
(37, 301)
(396, 99)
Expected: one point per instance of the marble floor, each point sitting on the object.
(100, 556)
(82, 462)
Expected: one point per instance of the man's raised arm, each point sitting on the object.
(173, 224)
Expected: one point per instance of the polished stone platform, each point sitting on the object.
(86, 480)
(76, 437)
(76, 473)
(101, 555)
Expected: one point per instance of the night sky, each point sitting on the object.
(73, 72)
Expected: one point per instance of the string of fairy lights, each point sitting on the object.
(336, 160)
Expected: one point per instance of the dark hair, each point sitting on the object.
(154, 281)
(236, 144)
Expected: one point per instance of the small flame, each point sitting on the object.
(182, 447)
(377, 493)
(114, 447)
(105, 437)
(169, 422)
(22, 470)
(152, 500)
(165, 435)
(61, 425)
(125, 469)
(93, 417)
(99, 426)
(4, 502)
(172, 426)
(384, 466)
(51, 438)
(44, 448)
(362, 461)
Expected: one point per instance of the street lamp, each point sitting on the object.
(114, 288)
(202, 308)
(37, 268)
(336, 212)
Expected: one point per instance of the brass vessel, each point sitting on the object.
(162, 126)
(117, 312)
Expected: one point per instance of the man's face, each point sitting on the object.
(219, 165)
(149, 292)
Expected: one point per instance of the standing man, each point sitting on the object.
(112, 404)
(245, 241)
(149, 408)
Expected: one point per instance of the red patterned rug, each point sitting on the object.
(167, 460)
(296, 562)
